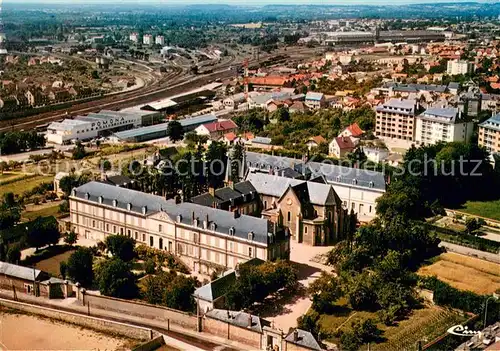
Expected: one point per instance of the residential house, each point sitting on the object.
(376, 154)
(315, 141)
(216, 130)
(297, 106)
(35, 97)
(58, 94)
(232, 102)
(340, 146)
(315, 100)
(23, 279)
(202, 237)
(352, 131)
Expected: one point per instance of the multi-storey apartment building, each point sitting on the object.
(442, 124)
(395, 119)
(489, 134)
(203, 237)
(456, 67)
(160, 40)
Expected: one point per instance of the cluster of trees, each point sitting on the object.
(190, 173)
(15, 142)
(294, 129)
(255, 283)
(330, 87)
(437, 176)
(171, 290)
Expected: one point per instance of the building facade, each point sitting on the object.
(395, 119)
(489, 134)
(442, 125)
(457, 67)
(202, 237)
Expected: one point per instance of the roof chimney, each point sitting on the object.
(192, 216)
(295, 335)
(249, 320)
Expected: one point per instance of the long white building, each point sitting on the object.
(93, 125)
(442, 124)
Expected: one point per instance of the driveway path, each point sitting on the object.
(488, 256)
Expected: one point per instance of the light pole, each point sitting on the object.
(495, 297)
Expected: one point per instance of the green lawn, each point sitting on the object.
(43, 212)
(9, 176)
(488, 209)
(51, 265)
(22, 185)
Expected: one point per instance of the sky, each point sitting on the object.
(242, 2)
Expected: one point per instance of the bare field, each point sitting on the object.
(25, 332)
(465, 273)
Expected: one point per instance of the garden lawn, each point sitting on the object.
(51, 265)
(19, 187)
(488, 209)
(45, 211)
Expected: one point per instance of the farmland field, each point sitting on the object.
(465, 273)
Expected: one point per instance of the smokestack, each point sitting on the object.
(295, 335)
(249, 320)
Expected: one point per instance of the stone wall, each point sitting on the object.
(231, 332)
(139, 309)
(99, 324)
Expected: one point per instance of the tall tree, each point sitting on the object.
(175, 131)
(79, 266)
(121, 247)
(116, 279)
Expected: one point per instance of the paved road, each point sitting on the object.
(471, 252)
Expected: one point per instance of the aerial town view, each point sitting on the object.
(282, 175)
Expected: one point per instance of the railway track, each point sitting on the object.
(175, 82)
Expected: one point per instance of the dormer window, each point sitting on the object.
(372, 184)
(144, 210)
(179, 218)
(231, 231)
(354, 182)
(73, 192)
(100, 199)
(115, 203)
(195, 222)
(213, 226)
(129, 206)
(87, 196)
(339, 178)
(250, 236)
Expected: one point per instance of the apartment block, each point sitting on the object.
(456, 67)
(204, 238)
(395, 119)
(489, 134)
(442, 124)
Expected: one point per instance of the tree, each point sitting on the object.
(121, 247)
(350, 341)
(43, 231)
(175, 131)
(14, 253)
(325, 291)
(179, 293)
(472, 225)
(79, 151)
(281, 115)
(79, 266)
(150, 266)
(237, 157)
(71, 238)
(117, 280)
(216, 162)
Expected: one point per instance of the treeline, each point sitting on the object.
(16, 142)
(437, 176)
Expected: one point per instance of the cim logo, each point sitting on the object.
(460, 330)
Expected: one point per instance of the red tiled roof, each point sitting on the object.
(495, 85)
(318, 139)
(220, 126)
(230, 136)
(355, 130)
(345, 143)
(273, 81)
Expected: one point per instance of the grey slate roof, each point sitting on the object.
(20, 272)
(305, 339)
(446, 115)
(492, 123)
(216, 288)
(239, 319)
(276, 186)
(151, 204)
(332, 173)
